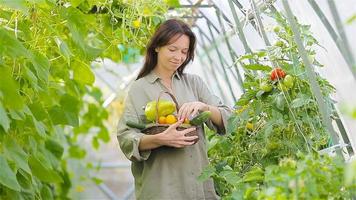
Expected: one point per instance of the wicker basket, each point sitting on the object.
(158, 128)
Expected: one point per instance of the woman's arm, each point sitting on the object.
(170, 137)
(190, 109)
(215, 114)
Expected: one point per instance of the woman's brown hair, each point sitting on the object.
(165, 32)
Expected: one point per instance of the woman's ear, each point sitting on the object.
(157, 49)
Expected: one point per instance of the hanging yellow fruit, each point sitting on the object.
(136, 23)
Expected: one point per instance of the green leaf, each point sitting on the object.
(72, 118)
(77, 24)
(237, 194)
(301, 101)
(230, 176)
(7, 176)
(254, 56)
(255, 174)
(96, 93)
(59, 116)
(53, 161)
(63, 48)
(77, 152)
(233, 123)
(207, 173)
(15, 153)
(43, 173)
(97, 180)
(242, 101)
(40, 127)
(46, 192)
(54, 147)
(95, 143)
(41, 65)
(17, 114)
(10, 90)
(38, 111)
(257, 67)
(25, 180)
(76, 3)
(9, 45)
(83, 73)
(172, 3)
(350, 173)
(280, 102)
(351, 19)
(69, 103)
(354, 113)
(104, 135)
(32, 79)
(4, 119)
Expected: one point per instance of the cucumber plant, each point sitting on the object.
(48, 100)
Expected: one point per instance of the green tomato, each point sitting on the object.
(266, 87)
(279, 43)
(276, 29)
(288, 163)
(288, 81)
(282, 87)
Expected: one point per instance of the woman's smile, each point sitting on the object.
(175, 63)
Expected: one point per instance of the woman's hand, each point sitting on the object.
(189, 110)
(174, 138)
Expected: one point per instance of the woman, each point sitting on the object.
(160, 171)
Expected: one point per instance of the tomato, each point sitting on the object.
(281, 74)
(282, 87)
(171, 119)
(288, 81)
(279, 43)
(276, 29)
(241, 109)
(249, 126)
(162, 120)
(265, 86)
(273, 75)
(277, 73)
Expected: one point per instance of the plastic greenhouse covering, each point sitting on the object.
(66, 67)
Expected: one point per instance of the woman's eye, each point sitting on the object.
(184, 52)
(171, 50)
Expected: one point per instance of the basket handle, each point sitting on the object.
(159, 97)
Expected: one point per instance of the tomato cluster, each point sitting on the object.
(277, 73)
(278, 76)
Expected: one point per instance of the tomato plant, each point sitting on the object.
(286, 119)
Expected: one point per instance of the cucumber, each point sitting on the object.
(201, 118)
(135, 125)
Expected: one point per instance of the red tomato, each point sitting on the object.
(277, 73)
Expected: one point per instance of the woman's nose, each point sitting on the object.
(179, 56)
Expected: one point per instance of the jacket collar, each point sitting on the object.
(152, 76)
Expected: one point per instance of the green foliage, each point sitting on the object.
(351, 19)
(307, 177)
(274, 119)
(47, 97)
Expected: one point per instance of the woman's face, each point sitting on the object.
(172, 55)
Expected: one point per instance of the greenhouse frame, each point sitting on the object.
(286, 69)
